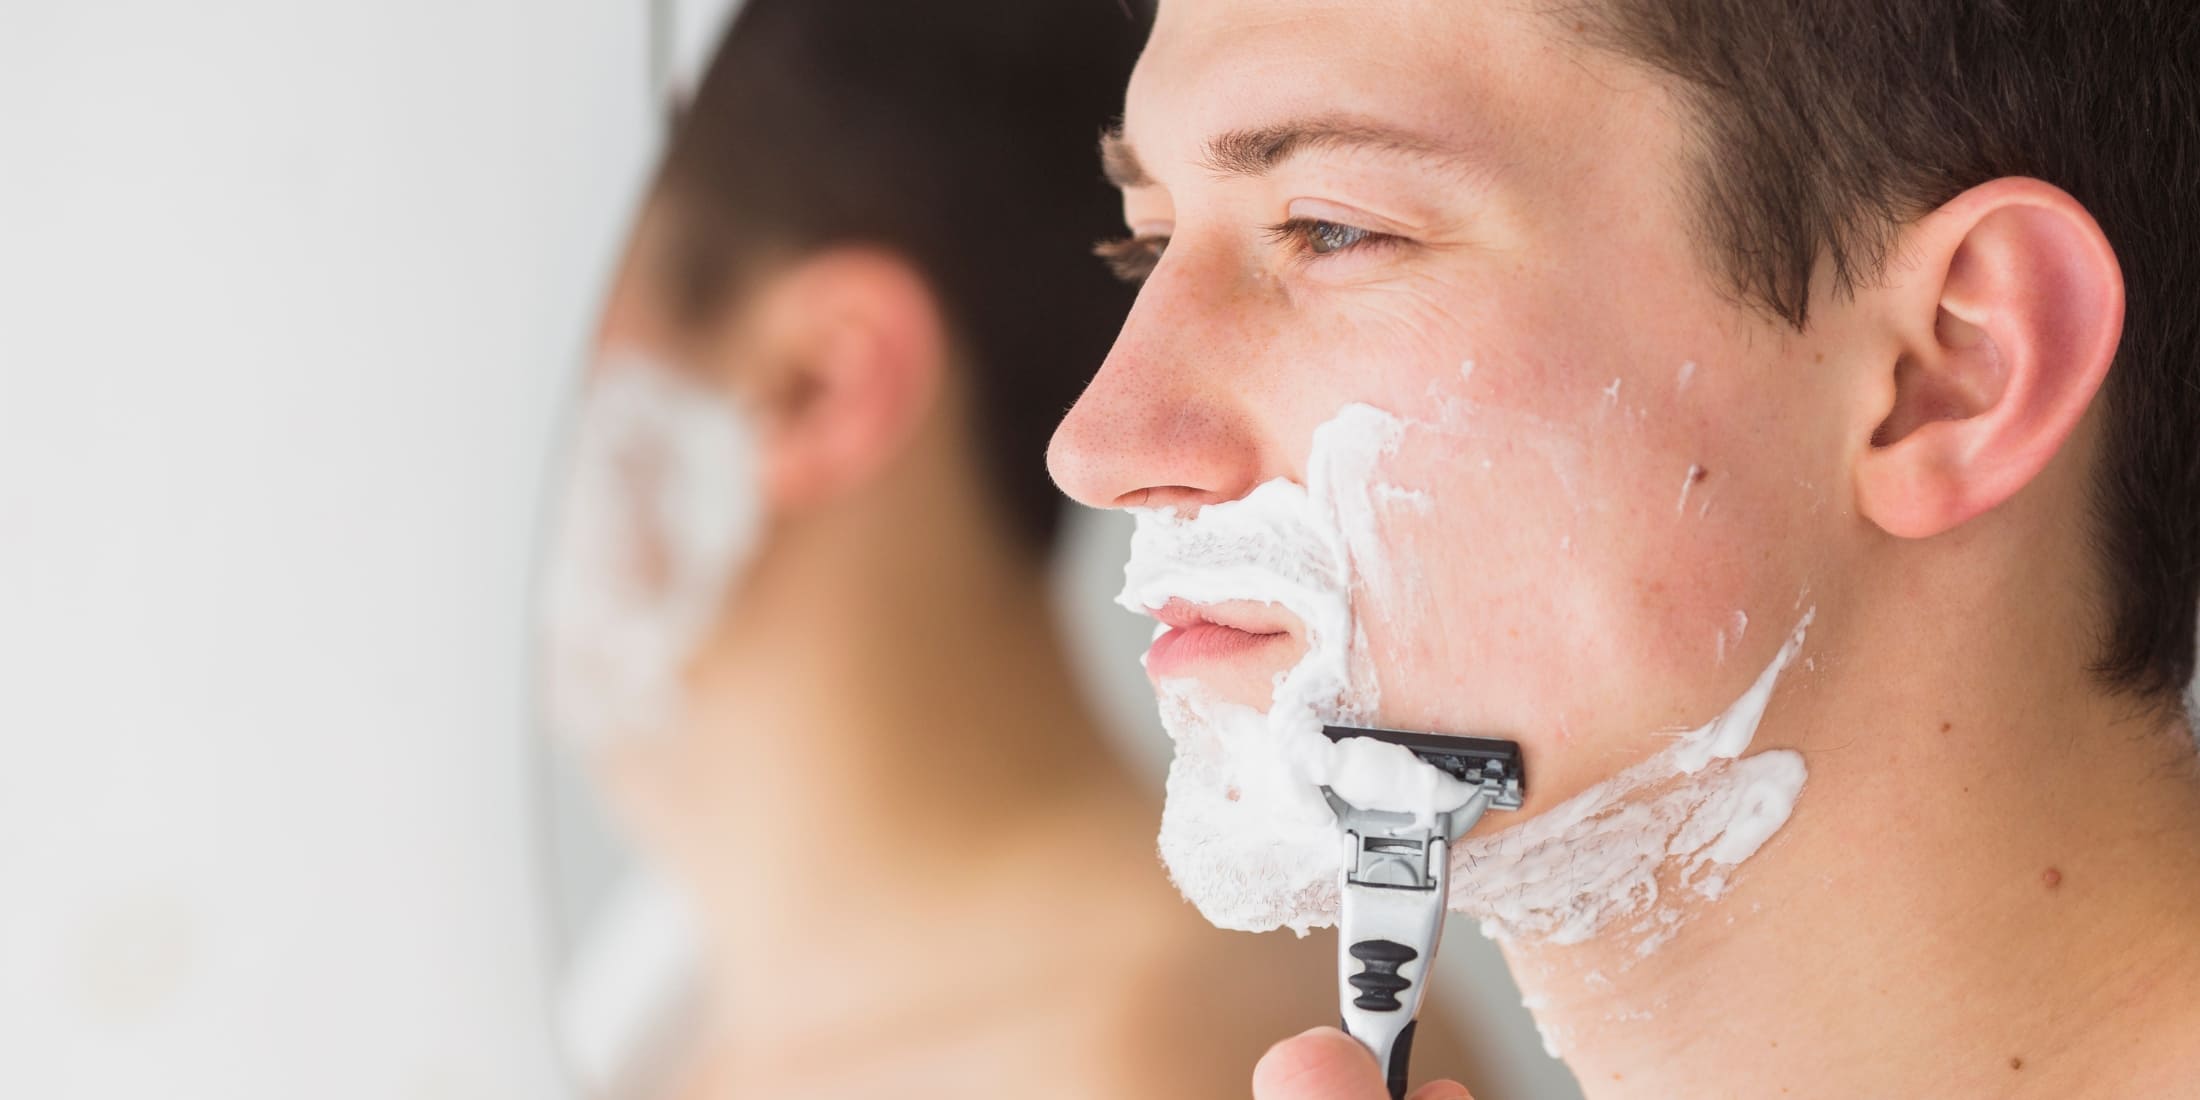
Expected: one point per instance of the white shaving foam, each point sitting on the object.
(1698, 806)
(1246, 834)
(660, 510)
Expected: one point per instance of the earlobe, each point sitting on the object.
(2007, 328)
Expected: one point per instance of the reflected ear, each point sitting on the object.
(844, 358)
(2006, 328)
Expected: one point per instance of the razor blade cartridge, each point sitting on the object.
(1488, 762)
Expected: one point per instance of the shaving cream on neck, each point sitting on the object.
(660, 511)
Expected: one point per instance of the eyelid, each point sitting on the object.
(1321, 210)
(1293, 236)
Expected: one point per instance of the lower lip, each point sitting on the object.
(1185, 646)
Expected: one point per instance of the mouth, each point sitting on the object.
(1207, 638)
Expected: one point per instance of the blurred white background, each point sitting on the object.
(289, 298)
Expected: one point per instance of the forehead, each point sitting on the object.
(1464, 69)
(1513, 84)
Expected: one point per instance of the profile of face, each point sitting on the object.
(1608, 488)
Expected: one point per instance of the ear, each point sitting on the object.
(848, 352)
(2005, 329)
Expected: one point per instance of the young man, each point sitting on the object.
(916, 865)
(1823, 372)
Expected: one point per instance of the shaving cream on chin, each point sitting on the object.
(1245, 832)
(659, 512)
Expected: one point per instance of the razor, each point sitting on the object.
(1395, 879)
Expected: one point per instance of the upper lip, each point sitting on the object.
(1250, 618)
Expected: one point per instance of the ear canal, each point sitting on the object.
(1962, 379)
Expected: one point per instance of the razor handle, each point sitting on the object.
(1395, 883)
(1389, 926)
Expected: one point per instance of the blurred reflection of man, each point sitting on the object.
(863, 277)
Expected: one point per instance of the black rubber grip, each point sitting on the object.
(1380, 983)
(1394, 1076)
(1389, 951)
(1399, 1056)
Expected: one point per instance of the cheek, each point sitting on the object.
(1600, 525)
(1577, 567)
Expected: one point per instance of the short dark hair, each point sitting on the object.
(955, 133)
(1824, 126)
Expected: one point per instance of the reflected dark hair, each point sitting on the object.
(1824, 126)
(955, 133)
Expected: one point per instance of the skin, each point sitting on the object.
(1914, 466)
(895, 897)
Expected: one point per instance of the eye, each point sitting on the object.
(1312, 237)
(1132, 258)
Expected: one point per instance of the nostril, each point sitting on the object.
(1184, 498)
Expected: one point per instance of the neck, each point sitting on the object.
(1987, 888)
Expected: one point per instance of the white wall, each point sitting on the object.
(289, 295)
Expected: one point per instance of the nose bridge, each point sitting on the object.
(1163, 423)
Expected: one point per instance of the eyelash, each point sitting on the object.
(1301, 234)
(1134, 258)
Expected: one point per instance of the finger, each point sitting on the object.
(1322, 1064)
(1441, 1090)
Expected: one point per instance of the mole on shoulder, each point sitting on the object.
(2016, 1063)
(2051, 878)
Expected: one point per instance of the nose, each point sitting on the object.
(1166, 423)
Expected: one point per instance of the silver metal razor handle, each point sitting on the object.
(1394, 885)
(1388, 937)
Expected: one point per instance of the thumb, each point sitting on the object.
(1441, 1090)
(1322, 1064)
(1327, 1064)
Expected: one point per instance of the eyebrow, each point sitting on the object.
(1259, 150)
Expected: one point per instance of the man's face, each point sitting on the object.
(1615, 484)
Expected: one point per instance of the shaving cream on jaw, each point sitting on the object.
(1694, 810)
(660, 511)
(1245, 832)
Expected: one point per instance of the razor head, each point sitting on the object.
(1492, 764)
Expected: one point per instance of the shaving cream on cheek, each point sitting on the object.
(659, 512)
(1245, 832)
(1247, 836)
